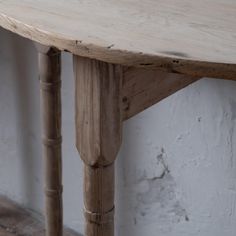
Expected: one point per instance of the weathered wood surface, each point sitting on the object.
(98, 136)
(142, 88)
(98, 113)
(14, 220)
(50, 81)
(99, 188)
(191, 37)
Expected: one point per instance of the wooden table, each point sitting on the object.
(128, 55)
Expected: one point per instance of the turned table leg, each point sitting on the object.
(98, 138)
(49, 69)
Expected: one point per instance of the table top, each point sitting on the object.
(130, 32)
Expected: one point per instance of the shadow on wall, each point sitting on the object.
(176, 170)
(21, 171)
(26, 95)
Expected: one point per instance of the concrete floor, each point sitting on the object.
(16, 221)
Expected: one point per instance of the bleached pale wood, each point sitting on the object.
(98, 138)
(99, 200)
(191, 37)
(98, 113)
(50, 81)
(143, 88)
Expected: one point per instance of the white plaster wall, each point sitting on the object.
(176, 171)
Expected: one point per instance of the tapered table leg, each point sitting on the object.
(98, 136)
(49, 69)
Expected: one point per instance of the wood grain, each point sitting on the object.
(49, 70)
(143, 88)
(99, 200)
(180, 36)
(98, 113)
(98, 131)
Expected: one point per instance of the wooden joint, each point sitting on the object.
(100, 166)
(54, 192)
(50, 86)
(47, 50)
(142, 88)
(100, 218)
(52, 142)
